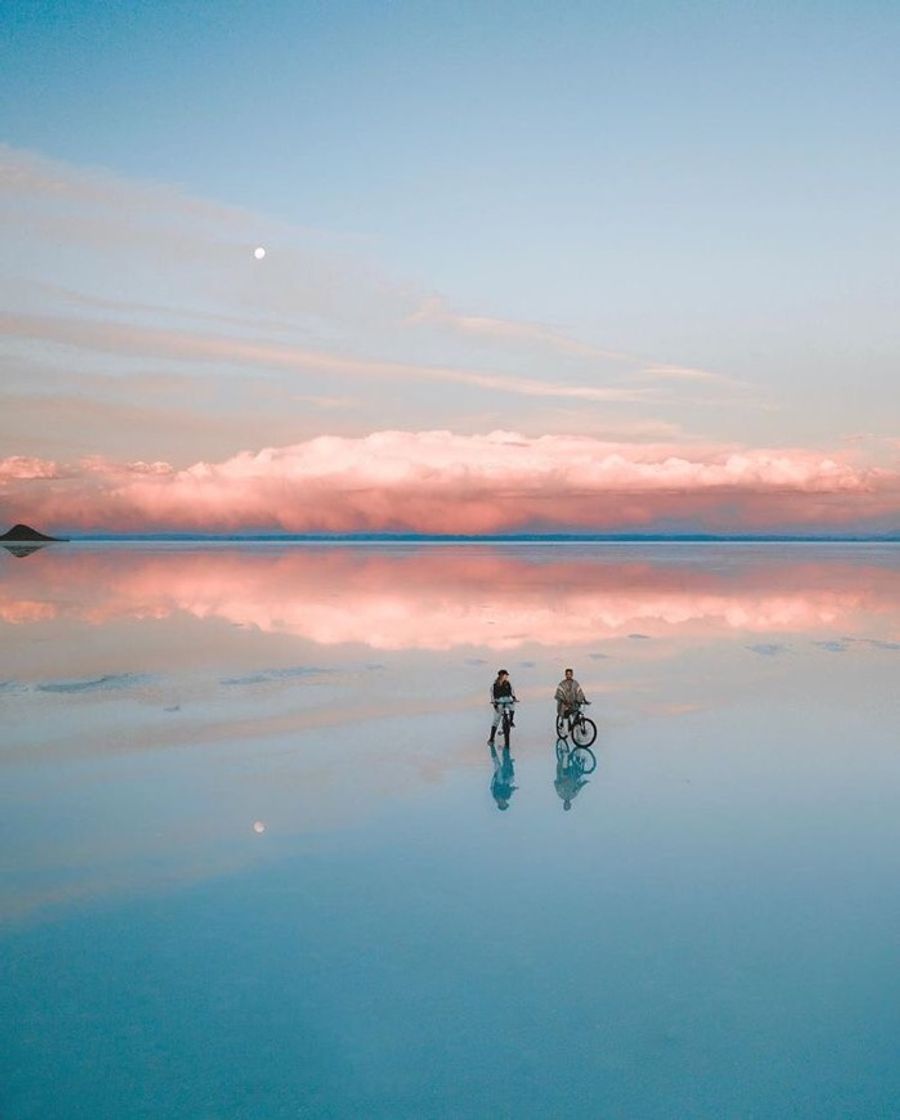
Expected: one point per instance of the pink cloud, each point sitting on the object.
(22, 467)
(440, 482)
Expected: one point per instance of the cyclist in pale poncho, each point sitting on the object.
(568, 694)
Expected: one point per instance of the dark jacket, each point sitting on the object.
(501, 688)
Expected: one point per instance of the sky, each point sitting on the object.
(527, 267)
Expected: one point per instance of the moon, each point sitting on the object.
(259, 252)
(259, 826)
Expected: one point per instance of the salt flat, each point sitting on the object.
(253, 867)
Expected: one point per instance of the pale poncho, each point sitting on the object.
(568, 694)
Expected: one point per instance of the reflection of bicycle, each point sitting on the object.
(504, 710)
(573, 722)
(581, 760)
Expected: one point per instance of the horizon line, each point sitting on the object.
(892, 537)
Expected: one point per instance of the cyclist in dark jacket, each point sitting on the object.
(502, 698)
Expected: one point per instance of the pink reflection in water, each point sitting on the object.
(441, 597)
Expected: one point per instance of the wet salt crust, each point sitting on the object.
(255, 868)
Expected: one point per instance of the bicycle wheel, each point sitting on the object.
(562, 748)
(584, 731)
(584, 759)
(505, 727)
(562, 727)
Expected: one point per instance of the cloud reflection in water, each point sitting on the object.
(439, 598)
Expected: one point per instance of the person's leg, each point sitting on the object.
(495, 723)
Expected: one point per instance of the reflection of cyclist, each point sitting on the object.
(568, 694)
(503, 698)
(504, 775)
(569, 778)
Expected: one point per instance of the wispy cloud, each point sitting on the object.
(434, 311)
(316, 307)
(29, 175)
(156, 310)
(611, 429)
(687, 374)
(102, 248)
(325, 401)
(143, 341)
(630, 367)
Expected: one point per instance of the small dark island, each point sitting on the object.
(23, 533)
(21, 540)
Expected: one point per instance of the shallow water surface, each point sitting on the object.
(256, 864)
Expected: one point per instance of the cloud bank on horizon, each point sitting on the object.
(438, 482)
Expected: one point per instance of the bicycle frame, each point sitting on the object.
(504, 708)
(576, 724)
(571, 716)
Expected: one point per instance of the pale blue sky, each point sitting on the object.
(685, 137)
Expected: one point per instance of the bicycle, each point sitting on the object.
(581, 759)
(506, 718)
(575, 723)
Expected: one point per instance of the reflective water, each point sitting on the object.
(254, 864)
